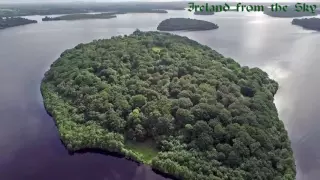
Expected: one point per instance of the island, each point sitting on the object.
(126, 11)
(232, 10)
(212, 12)
(203, 13)
(176, 8)
(107, 15)
(178, 24)
(172, 103)
(290, 13)
(14, 21)
(308, 23)
(80, 16)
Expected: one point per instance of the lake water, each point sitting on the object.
(30, 148)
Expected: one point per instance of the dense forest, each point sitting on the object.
(16, 21)
(203, 13)
(308, 23)
(178, 24)
(80, 16)
(170, 102)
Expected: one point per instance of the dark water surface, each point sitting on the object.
(30, 148)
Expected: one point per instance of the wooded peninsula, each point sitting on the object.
(178, 24)
(108, 15)
(14, 21)
(172, 103)
(80, 16)
(308, 23)
(203, 13)
(291, 12)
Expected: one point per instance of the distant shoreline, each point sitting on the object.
(273, 8)
(206, 7)
(15, 21)
(307, 23)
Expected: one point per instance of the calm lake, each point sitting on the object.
(30, 148)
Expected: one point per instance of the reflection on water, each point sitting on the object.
(29, 143)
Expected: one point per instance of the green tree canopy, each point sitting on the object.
(209, 118)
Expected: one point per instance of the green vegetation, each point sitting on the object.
(178, 24)
(99, 16)
(81, 16)
(12, 10)
(125, 11)
(308, 23)
(208, 117)
(29, 11)
(156, 49)
(291, 12)
(146, 149)
(230, 10)
(204, 13)
(12, 22)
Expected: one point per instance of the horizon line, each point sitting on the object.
(153, 1)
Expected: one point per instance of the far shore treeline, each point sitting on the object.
(241, 7)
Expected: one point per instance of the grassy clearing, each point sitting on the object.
(146, 149)
(156, 49)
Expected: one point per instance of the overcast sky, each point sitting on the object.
(51, 1)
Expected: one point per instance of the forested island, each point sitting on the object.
(212, 12)
(178, 24)
(177, 8)
(308, 23)
(80, 16)
(107, 15)
(125, 11)
(231, 10)
(14, 21)
(291, 12)
(203, 13)
(172, 103)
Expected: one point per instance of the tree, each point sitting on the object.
(202, 116)
(138, 101)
